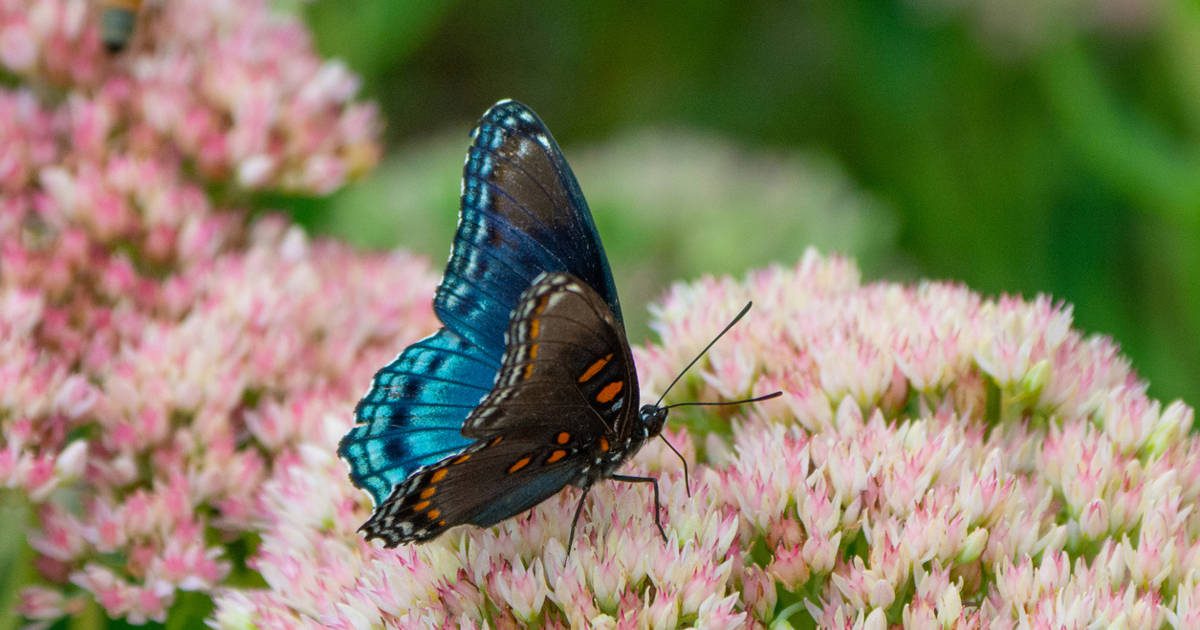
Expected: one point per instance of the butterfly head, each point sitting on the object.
(653, 418)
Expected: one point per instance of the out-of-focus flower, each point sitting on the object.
(1016, 29)
(230, 88)
(189, 410)
(979, 494)
(161, 351)
(732, 195)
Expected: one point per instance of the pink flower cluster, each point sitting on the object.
(937, 460)
(144, 430)
(321, 573)
(226, 87)
(160, 351)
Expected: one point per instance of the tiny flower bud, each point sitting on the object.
(973, 546)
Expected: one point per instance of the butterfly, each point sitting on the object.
(530, 385)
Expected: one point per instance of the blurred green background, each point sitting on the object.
(1019, 147)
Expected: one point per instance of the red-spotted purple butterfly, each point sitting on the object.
(530, 385)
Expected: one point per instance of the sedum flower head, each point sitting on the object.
(161, 350)
(938, 459)
(231, 88)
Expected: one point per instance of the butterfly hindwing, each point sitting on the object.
(485, 484)
(567, 367)
(413, 414)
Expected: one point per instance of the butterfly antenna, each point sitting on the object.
(687, 484)
(719, 403)
(735, 320)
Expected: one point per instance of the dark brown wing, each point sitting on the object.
(489, 482)
(566, 381)
(567, 368)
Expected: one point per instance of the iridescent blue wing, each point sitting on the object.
(413, 414)
(522, 214)
(560, 400)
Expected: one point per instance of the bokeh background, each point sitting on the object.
(1026, 147)
(1017, 146)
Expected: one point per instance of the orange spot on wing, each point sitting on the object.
(603, 444)
(421, 506)
(438, 475)
(519, 464)
(563, 438)
(428, 492)
(434, 514)
(555, 456)
(460, 459)
(594, 369)
(535, 327)
(609, 392)
(533, 352)
(496, 440)
(441, 523)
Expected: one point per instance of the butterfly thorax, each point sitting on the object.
(609, 453)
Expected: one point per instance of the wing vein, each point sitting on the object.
(481, 359)
(427, 376)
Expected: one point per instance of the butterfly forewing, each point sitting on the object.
(567, 367)
(561, 390)
(521, 214)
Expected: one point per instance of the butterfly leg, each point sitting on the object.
(575, 521)
(657, 504)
